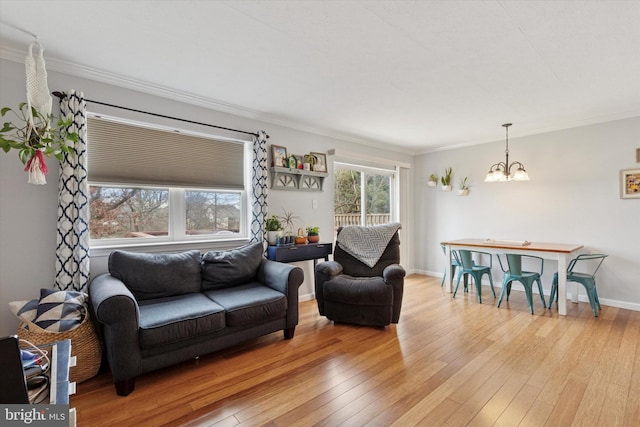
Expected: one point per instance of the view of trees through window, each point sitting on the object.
(126, 212)
(210, 212)
(348, 197)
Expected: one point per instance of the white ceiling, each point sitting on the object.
(421, 75)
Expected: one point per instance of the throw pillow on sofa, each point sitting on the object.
(222, 269)
(157, 275)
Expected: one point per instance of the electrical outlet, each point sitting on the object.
(314, 204)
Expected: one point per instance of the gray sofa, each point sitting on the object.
(157, 310)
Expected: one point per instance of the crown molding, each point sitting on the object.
(77, 70)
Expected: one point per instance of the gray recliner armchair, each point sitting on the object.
(352, 290)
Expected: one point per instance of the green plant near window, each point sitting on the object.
(313, 231)
(433, 177)
(273, 223)
(19, 134)
(446, 178)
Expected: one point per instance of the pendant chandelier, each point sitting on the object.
(501, 172)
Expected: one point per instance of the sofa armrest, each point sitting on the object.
(285, 278)
(117, 311)
(324, 272)
(393, 275)
(393, 272)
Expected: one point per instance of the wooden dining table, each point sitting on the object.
(560, 252)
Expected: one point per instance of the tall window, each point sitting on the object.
(363, 195)
(161, 185)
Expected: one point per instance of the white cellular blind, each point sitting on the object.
(128, 154)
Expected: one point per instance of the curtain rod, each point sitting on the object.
(63, 95)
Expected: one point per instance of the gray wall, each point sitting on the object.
(573, 197)
(28, 212)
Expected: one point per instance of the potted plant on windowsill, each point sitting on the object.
(433, 180)
(35, 139)
(274, 229)
(446, 179)
(464, 187)
(313, 234)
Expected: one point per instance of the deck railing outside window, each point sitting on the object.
(341, 220)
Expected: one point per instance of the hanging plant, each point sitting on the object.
(34, 142)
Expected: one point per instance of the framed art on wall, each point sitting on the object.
(630, 184)
(321, 162)
(278, 156)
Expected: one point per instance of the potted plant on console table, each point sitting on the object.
(274, 229)
(312, 234)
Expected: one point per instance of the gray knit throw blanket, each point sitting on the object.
(366, 243)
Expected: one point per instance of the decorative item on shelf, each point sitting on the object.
(321, 162)
(433, 180)
(501, 171)
(309, 162)
(464, 187)
(299, 161)
(446, 179)
(300, 239)
(312, 234)
(274, 229)
(279, 156)
(292, 162)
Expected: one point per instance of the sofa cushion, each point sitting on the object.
(249, 303)
(170, 319)
(222, 269)
(157, 275)
(358, 290)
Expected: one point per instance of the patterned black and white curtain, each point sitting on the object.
(72, 242)
(259, 187)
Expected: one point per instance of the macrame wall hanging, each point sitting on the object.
(38, 99)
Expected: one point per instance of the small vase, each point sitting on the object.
(446, 188)
(313, 239)
(464, 192)
(432, 183)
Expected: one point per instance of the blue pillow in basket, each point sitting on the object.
(60, 311)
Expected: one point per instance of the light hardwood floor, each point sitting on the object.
(450, 362)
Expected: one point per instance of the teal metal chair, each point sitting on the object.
(514, 272)
(454, 263)
(469, 267)
(585, 279)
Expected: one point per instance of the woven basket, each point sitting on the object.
(85, 345)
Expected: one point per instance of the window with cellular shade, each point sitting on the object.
(125, 153)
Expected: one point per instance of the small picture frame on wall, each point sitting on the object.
(630, 184)
(279, 156)
(321, 162)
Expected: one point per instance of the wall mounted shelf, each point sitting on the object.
(296, 179)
